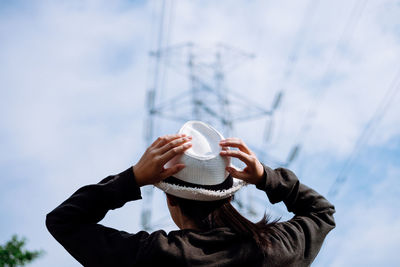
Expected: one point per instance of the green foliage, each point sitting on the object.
(13, 254)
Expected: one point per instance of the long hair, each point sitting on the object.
(208, 215)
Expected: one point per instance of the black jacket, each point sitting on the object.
(293, 243)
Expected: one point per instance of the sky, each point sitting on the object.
(73, 81)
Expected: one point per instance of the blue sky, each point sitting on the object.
(73, 78)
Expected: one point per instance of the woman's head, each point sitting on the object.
(199, 195)
(208, 215)
(205, 176)
(198, 214)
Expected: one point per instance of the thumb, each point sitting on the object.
(171, 171)
(236, 173)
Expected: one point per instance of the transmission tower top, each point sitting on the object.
(207, 99)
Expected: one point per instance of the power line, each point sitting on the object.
(366, 133)
(149, 127)
(291, 62)
(343, 42)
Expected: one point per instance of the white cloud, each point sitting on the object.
(367, 232)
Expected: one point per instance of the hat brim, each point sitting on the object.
(195, 193)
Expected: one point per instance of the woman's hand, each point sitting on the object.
(150, 168)
(253, 172)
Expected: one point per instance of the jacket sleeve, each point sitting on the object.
(74, 223)
(296, 242)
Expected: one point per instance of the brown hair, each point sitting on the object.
(213, 214)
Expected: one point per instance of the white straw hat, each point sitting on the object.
(204, 176)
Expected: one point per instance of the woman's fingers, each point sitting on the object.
(173, 143)
(171, 171)
(162, 140)
(254, 171)
(236, 173)
(149, 169)
(235, 142)
(246, 158)
(167, 156)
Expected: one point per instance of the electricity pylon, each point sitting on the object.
(206, 97)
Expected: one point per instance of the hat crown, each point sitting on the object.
(203, 163)
(205, 140)
(204, 177)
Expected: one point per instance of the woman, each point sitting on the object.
(194, 170)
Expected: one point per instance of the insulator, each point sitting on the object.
(277, 100)
(268, 129)
(293, 154)
(150, 98)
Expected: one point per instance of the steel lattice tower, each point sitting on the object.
(206, 99)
